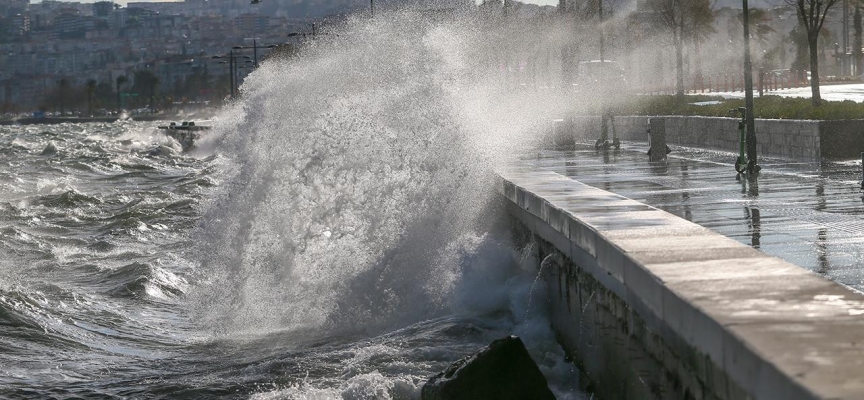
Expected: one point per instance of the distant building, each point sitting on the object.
(10, 8)
(249, 24)
(70, 26)
(18, 25)
(103, 9)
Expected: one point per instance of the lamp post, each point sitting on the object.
(314, 32)
(600, 17)
(254, 48)
(748, 93)
(232, 69)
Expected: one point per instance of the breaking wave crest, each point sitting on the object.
(359, 176)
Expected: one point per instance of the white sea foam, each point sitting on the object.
(357, 193)
(383, 134)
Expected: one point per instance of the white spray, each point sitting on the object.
(358, 171)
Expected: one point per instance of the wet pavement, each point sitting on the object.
(809, 214)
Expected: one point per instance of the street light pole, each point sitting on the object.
(602, 39)
(255, 48)
(748, 90)
(232, 69)
(231, 64)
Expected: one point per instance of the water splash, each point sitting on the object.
(552, 259)
(358, 171)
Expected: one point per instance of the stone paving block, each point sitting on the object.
(674, 243)
(827, 359)
(666, 256)
(611, 260)
(729, 301)
(644, 285)
(583, 236)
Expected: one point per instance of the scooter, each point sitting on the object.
(603, 143)
(742, 164)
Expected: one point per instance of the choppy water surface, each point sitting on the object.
(332, 237)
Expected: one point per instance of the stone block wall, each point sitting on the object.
(651, 306)
(789, 139)
(842, 139)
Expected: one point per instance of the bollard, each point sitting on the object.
(657, 138)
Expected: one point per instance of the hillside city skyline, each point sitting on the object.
(55, 54)
(717, 4)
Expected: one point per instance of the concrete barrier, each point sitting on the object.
(790, 139)
(651, 306)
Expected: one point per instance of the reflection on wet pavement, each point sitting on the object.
(809, 214)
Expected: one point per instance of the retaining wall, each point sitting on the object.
(651, 306)
(790, 139)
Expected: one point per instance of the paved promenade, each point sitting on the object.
(853, 91)
(811, 215)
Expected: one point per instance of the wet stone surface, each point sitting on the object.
(809, 214)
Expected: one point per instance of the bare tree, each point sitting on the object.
(811, 15)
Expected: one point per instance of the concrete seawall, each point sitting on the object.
(790, 139)
(651, 306)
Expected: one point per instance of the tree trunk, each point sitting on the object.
(697, 57)
(679, 66)
(814, 69)
(857, 43)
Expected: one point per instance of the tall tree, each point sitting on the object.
(121, 80)
(701, 27)
(760, 24)
(800, 64)
(682, 18)
(857, 43)
(811, 15)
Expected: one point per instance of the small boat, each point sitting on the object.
(185, 133)
(184, 126)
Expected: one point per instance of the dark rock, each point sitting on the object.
(503, 370)
(49, 150)
(160, 151)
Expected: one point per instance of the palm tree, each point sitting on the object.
(683, 18)
(701, 27)
(91, 87)
(120, 81)
(760, 22)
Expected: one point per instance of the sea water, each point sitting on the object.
(335, 235)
